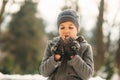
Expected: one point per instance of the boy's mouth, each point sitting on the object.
(66, 37)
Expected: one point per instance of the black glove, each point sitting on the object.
(58, 49)
(71, 48)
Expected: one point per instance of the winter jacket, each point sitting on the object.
(81, 67)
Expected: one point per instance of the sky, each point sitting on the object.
(49, 9)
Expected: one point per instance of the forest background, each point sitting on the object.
(27, 25)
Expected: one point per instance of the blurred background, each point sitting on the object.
(27, 25)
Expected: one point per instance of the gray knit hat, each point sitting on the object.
(68, 15)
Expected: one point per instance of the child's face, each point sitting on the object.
(67, 29)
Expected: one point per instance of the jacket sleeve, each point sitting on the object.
(48, 64)
(83, 66)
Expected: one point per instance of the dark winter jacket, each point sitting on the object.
(81, 67)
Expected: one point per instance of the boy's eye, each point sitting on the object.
(70, 27)
(62, 28)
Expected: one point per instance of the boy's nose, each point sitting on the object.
(66, 32)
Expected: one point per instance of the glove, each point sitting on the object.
(71, 48)
(58, 50)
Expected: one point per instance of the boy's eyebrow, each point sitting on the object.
(70, 24)
(61, 25)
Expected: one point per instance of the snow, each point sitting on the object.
(31, 77)
(21, 77)
(115, 77)
(96, 78)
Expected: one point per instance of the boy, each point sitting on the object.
(68, 56)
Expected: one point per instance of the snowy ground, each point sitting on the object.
(22, 77)
(39, 77)
(31, 77)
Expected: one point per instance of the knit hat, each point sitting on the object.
(68, 15)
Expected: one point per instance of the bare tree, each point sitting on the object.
(117, 58)
(99, 32)
(2, 11)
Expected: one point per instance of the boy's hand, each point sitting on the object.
(71, 48)
(57, 57)
(57, 49)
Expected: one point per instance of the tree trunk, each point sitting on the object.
(118, 57)
(1, 15)
(99, 60)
